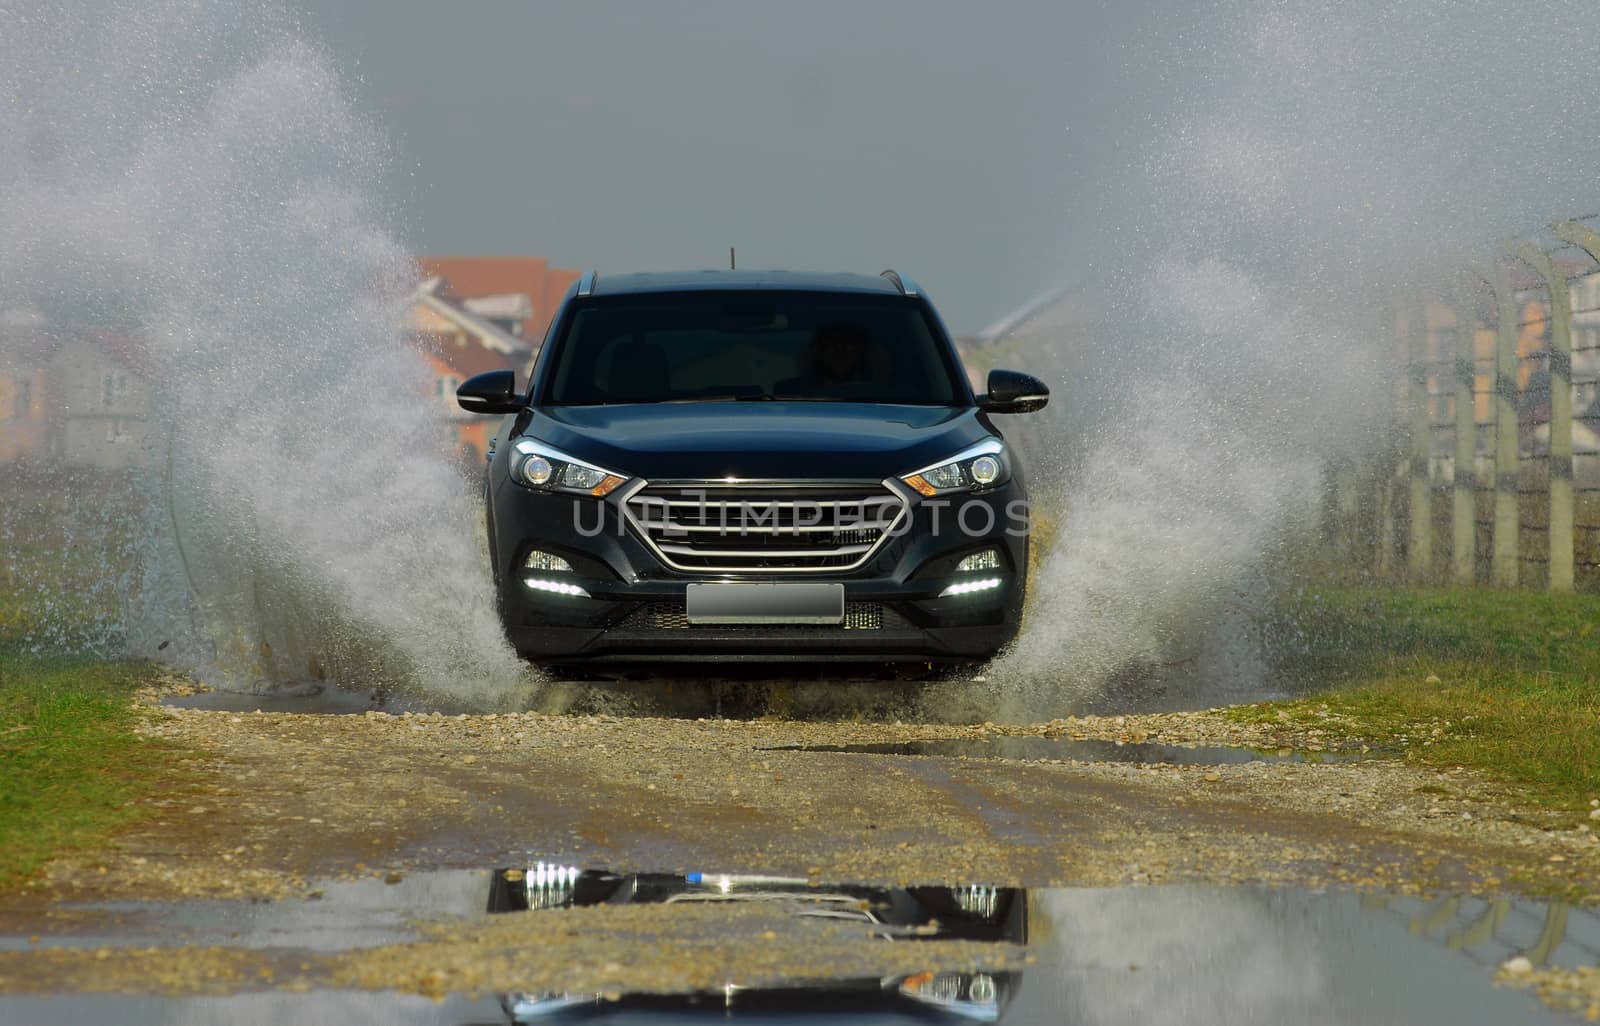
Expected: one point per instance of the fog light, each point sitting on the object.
(550, 886)
(988, 559)
(555, 587)
(547, 562)
(968, 587)
(978, 901)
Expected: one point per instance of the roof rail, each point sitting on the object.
(586, 283)
(906, 286)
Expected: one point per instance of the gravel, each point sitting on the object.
(285, 800)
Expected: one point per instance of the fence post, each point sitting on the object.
(1554, 932)
(1561, 512)
(1419, 544)
(1504, 561)
(1584, 237)
(1464, 474)
(1383, 558)
(1346, 510)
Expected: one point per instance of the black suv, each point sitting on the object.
(754, 465)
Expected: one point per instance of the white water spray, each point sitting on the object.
(188, 176)
(1324, 161)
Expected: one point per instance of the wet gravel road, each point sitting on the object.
(289, 807)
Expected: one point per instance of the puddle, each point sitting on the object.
(1200, 955)
(1037, 748)
(347, 1007)
(345, 914)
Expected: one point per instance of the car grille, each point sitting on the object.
(786, 528)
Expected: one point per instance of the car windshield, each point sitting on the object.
(752, 346)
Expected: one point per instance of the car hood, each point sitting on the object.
(664, 441)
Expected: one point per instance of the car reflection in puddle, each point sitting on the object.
(972, 913)
(1206, 955)
(1196, 954)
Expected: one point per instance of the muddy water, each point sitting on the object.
(1098, 956)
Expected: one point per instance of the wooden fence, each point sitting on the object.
(1499, 480)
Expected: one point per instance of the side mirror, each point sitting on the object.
(1014, 392)
(490, 392)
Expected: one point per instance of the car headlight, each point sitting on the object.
(971, 996)
(536, 465)
(981, 466)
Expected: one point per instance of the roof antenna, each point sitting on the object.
(733, 265)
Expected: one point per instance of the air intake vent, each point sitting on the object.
(673, 616)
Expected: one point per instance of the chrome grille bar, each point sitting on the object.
(690, 550)
(766, 526)
(756, 528)
(875, 500)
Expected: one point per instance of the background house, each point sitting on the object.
(518, 295)
(475, 314)
(73, 399)
(22, 395)
(80, 398)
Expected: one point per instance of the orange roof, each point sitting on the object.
(489, 276)
(556, 282)
(472, 276)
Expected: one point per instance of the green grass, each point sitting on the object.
(1517, 689)
(71, 763)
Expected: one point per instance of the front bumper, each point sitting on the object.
(632, 606)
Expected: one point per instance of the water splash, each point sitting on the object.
(1321, 163)
(189, 178)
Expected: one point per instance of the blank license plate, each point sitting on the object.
(765, 603)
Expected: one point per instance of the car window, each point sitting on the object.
(712, 346)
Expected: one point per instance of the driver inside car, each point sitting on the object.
(840, 354)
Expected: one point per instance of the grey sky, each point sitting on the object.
(959, 142)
